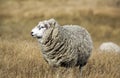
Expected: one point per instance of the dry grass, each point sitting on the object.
(20, 55)
(22, 59)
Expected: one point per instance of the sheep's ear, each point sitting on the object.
(47, 26)
(52, 22)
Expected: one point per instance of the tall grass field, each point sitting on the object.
(20, 55)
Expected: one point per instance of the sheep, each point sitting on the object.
(109, 47)
(63, 46)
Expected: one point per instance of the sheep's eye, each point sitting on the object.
(42, 27)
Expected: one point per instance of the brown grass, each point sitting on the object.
(22, 59)
(20, 55)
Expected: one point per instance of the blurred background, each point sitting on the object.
(20, 56)
(100, 17)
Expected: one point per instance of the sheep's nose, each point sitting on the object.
(32, 33)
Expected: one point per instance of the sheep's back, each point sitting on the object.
(82, 40)
(79, 34)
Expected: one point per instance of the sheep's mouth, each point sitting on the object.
(39, 37)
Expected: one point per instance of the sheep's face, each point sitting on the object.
(42, 26)
(39, 30)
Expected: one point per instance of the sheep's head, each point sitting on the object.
(42, 26)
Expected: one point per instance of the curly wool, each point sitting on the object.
(66, 46)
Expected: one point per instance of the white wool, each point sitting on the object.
(109, 47)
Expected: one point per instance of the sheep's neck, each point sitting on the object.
(54, 38)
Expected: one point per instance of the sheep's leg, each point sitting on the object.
(80, 68)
